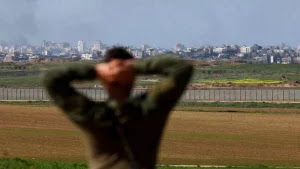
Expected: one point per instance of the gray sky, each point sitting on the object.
(160, 23)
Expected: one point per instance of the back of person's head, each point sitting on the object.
(117, 53)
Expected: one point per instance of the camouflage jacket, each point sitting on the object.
(146, 114)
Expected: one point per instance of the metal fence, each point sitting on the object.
(195, 95)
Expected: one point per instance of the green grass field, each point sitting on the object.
(241, 81)
(18, 163)
(30, 75)
(263, 73)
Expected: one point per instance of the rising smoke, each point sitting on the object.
(17, 21)
(156, 22)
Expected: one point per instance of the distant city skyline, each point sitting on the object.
(98, 44)
(158, 23)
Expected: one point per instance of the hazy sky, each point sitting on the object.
(160, 23)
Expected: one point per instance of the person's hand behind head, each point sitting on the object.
(104, 73)
(117, 71)
(117, 76)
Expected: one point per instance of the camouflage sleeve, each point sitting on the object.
(78, 107)
(165, 94)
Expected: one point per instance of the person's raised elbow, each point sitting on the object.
(183, 72)
(51, 80)
(188, 68)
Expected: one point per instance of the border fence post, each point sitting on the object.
(235, 95)
(289, 95)
(214, 94)
(272, 95)
(38, 93)
(256, 94)
(294, 96)
(95, 93)
(261, 95)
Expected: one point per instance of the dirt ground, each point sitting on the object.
(214, 137)
(238, 110)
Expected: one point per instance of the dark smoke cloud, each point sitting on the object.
(18, 21)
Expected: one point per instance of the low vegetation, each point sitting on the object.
(29, 75)
(18, 163)
(219, 71)
(241, 81)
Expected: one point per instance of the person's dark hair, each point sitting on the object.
(117, 53)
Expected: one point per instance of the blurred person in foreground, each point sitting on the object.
(123, 132)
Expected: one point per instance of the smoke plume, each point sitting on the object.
(17, 21)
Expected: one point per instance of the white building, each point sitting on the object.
(272, 59)
(188, 50)
(24, 49)
(98, 46)
(144, 47)
(103, 51)
(47, 53)
(298, 49)
(152, 52)
(280, 51)
(86, 57)
(219, 50)
(11, 50)
(6, 49)
(1, 48)
(286, 60)
(8, 58)
(178, 47)
(33, 57)
(137, 54)
(81, 46)
(234, 47)
(246, 49)
(297, 59)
